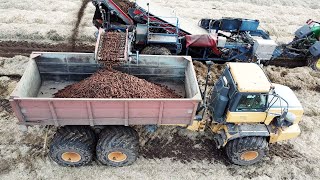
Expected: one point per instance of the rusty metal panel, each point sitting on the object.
(35, 110)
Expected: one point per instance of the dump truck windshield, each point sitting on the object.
(252, 102)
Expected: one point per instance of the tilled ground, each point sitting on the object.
(5, 105)
(22, 157)
(13, 48)
(109, 83)
(171, 152)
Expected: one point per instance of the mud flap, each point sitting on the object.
(220, 138)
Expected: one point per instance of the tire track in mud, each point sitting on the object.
(34, 151)
(181, 148)
(285, 151)
(5, 105)
(24, 48)
(287, 63)
(26, 151)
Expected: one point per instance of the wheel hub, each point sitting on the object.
(117, 156)
(72, 157)
(249, 155)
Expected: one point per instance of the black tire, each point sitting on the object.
(246, 150)
(73, 146)
(314, 63)
(118, 146)
(156, 50)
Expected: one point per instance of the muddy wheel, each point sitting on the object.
(156, 50)
(118, 146)
(73, 146)
(246, 150)
(314, 63)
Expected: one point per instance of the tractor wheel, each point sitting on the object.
(73, 146)
(246, 150)
(314, 63)
(118, 146)
(156, 50)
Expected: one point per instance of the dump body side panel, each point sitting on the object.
(62, 112)
(32, 109)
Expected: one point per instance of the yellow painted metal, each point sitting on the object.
(197, 126)
(285, 133)
(71, 157)
(318, 64)
(249, 77)
(249, 155)
(216, 127)
(274, 112)
(117, 156)
(246, 117)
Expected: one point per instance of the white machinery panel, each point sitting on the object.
(263, 48)
(222, 41)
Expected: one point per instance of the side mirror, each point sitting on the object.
(286, 119)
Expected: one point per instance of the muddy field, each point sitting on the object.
(173, 152)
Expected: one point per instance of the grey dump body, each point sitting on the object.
(33, 102)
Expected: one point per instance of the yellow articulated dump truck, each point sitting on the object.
(246, 110)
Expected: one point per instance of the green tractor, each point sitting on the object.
(305, 45)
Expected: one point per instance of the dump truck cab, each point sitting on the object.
(244, 104)
(240, 96)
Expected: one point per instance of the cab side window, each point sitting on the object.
(252, 103)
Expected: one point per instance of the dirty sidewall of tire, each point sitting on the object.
(118, 139)
(79, 140)
(131, 157)
(56, 156)
(235, 148)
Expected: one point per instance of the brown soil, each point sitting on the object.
(124, 5)
(288, 63)
(109, 83)
(112, 48)
(13, 48)
(181, 148)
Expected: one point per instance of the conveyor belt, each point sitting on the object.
(166, 15)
